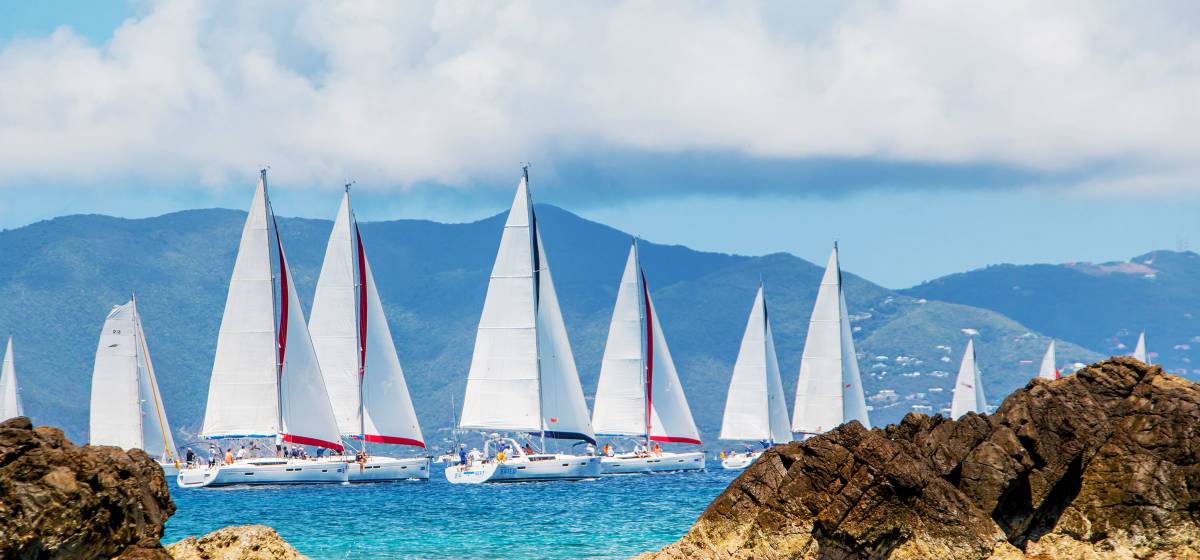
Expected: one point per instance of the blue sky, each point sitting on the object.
(927, 138)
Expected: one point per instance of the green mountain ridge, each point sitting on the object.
(58, 279)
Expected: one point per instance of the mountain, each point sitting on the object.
(1102, 306)
(59, 278)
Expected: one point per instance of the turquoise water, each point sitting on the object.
(611, 517)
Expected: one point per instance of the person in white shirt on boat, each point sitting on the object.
(241, 454)
(474, 456)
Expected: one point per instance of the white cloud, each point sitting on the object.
(394, 93)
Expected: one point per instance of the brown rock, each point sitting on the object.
(243, 542)
(1101, 464)
(58, 500)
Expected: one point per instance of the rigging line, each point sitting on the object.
(162, 421)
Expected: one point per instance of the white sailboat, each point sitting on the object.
(10, 400)
(266, 381)
(968, 388)
(358, 359)
(1048, 369)
(755, 408)
(126, 408)
(639, 395)
(829, 392)
(1139, 351)
(523, 379)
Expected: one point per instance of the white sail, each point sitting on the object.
(670, 417)
(522, 375)
(243, 392)
(829, 391)
(1139, 351)
(126, 406)
(354, 344)
(620, 405)
(1048, 369)
(968, 388)
(754, 405)
(266, 380)
(334, 323)
(10, 401)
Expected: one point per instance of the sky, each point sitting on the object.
(926, 137)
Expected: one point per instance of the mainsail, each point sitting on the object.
(354, 345)
(1048, 369)
(968, 388)
(523, 375)
(126, 407)
(829, 391)
(266, 380)
(10, 401)
(755, 408)
(1139, 351)
(639, 392)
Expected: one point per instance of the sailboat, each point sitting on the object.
(755, 409)
(1139, 351)
(1048, 369)
(358, 359)
(523, 379)
(829, 392)
(266, 381)
(10, 400)
(968, 388)
(639, 395)
(127, 409)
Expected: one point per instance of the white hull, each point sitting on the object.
(384, 469)
(739, 461)
(526, 469)
(169, 469)
(628, 463)
(265, 471)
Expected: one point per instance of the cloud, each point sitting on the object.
(804, 98)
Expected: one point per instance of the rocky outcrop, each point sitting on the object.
(243, 542)
(1101, 464)
(58, 500)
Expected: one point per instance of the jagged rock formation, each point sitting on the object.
(242, 542)
(58, 500)
(1101, 464)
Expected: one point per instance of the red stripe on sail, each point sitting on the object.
(283, 298)
(302, 440)
(362, 304)
(669, 439)
(649, 352)
(393, 440)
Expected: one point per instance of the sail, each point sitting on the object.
(754, 407)
(829, 391)
(242, 393)
(334, 322)
(1048, 369)
(157, 440)
(10, 401)
(670, 418)
(116, 409)
(1139, 351)
(502, 385)
(620, 405)
(968, 388)
(564, 411)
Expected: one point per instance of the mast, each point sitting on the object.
(646, 342)
(276, 304)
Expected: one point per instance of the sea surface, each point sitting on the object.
(610, 517)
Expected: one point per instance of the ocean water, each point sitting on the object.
(610, 517)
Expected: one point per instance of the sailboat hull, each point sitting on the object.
(169, 469)
(385, 469)
(628, 463)
(260, 471)
(739, 461)
(536, 468)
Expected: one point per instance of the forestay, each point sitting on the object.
(10, 401)
(755, 408)
(829, 391)
(968, 388)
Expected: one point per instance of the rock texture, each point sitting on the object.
(243, 542)
(1101, 464)
(58, 500)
